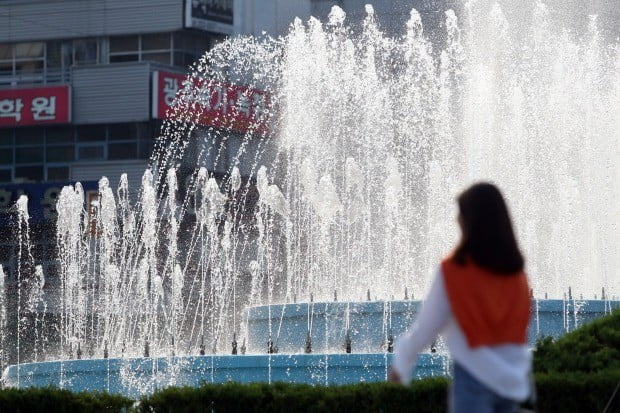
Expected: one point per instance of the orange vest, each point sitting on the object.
(491, 309)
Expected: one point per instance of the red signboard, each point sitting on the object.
(222, 105)
(35, 106)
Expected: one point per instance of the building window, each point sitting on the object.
(6, 156)
(22, 62)
(86, 52)
(124, 49)
(29, 154)
(58, 173)
(61, 134)
(91, 133)
(29, 136)
(35, 154)
(6, 137)
(59, 153)
(29, 173)
(5, 175)
(91, 153)
(147, 47)
(123, 151)
(158, 41)
(123, 140)
(189, 47)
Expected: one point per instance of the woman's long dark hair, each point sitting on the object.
(488, 239)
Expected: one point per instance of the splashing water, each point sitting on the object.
(351, 185)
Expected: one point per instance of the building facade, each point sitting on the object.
(81, 91)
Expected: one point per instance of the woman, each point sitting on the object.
(479, 301)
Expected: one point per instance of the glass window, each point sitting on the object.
(142, 130)
(122, 131)
(86, 153)
(124, 58)
(184, 59)
(91, 133)
(29, 50)
(29, 154)
(62, 134)
(5, 175)
(160, 41)
(124, 44)
(29, 136)
(85, 51)
(54, 54)
(67, 53)
(6, 51)
(159, 57)
(62, 153)
(58, 173)
(188, 42)
(123, 151)
(30, 173)
(29, 66)
(6, 67)
(6, 156)
(6, 136)
(146, 147)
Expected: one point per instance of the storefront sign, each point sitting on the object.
(41, 200)
(225, 106)
(210, 15)
(35, 106)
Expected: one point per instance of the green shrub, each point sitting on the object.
(593, 347)
(51, 400)
(425, 396)
(557, 392)
(577, 392)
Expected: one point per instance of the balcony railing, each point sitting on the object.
(39, 77)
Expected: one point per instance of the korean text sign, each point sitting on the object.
(35, 106)
(41, 200)
(221, 105)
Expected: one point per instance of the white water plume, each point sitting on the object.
(351, 186)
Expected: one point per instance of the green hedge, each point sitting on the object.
(593, 347)
(426, 396)
(577, 392)
(52, 400)
(557, 392)
(567, 392)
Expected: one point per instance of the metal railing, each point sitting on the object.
(38, 77)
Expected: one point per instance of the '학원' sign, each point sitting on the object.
(221, 105)
(35, 106)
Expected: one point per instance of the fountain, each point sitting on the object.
(288, 242)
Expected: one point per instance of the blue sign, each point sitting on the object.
(41, 200)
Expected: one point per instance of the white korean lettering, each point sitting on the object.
(43, 108)
(204, 97)
(221, 98)
(259, 106)
(171, 87)
(243, 104)
(11, 108)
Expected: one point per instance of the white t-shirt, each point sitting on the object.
(504, 368)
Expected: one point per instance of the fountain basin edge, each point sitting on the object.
(133, 377)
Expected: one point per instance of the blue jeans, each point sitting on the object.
(468, 395)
